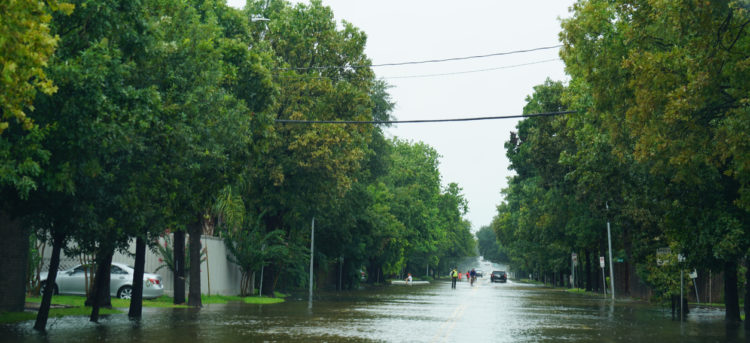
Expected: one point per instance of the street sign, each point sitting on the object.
(601, 261)
(694, 274)
(680, 258)
(574, 256)
(662, 256)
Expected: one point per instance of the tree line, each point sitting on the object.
(658, 147)
(124, 119)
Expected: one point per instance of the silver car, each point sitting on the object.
(73, 281)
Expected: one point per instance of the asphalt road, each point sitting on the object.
(485, 312)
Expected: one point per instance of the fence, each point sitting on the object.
(218, 274)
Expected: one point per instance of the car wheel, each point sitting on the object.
(125, 292)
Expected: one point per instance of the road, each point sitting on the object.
(485, 312)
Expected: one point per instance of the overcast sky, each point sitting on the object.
(472, 153)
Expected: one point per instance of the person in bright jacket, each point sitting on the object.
(454, 278)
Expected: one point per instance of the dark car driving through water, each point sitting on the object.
(498, 276)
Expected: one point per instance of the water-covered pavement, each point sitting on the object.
(486, 312)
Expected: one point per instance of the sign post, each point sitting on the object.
(681, 259)
(694, 276)
(611, 268)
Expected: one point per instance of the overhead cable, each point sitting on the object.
(305, 76)
(421, 62)
(468, 71)
(420, 121)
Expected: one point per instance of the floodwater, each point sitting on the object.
(486, 312)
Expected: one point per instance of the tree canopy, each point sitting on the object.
(656, 147)
(157, 116)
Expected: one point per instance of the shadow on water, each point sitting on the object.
(486, 312)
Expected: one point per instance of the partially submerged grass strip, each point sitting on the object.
(15, 317)
(74, 305)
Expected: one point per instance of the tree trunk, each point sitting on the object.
(587, 255)
(339, 286)
(194, 295)
(100, 295)
(179, 267)
(136, 301)
(269, 280)
(372, 272)
(747, 294)
(252, 284)
(104, 298)
(14, 260)
(54, 264)
(731, 296)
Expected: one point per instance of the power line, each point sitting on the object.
(421, 121)
(469, 71)
(467, 57)
(422, 62)
(301, 76)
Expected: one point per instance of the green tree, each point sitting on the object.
(415, 183)
(26, 45)
(537, 224)
(669, 76)
(307, 167)
(488, 245)
(92, 143)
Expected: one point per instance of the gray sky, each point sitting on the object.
(472, 153)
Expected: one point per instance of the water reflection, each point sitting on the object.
(433, 313)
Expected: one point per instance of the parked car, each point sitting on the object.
(479, 273)
(498, 276)
(73, 281)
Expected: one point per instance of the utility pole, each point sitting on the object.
(611, 269)
(312, 254)
(604, 279)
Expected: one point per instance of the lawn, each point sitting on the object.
(14, 317)
(75, 305)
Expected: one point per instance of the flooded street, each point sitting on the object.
(487, 312)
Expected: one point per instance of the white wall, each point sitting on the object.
(225, 276)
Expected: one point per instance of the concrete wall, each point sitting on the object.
(218, 274)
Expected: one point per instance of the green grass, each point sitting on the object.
(15, 317)
(163, 301)
(78, 301)
(223, 299)
(576, 290)
(67, 300)
(530, 281)
(76, 305)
